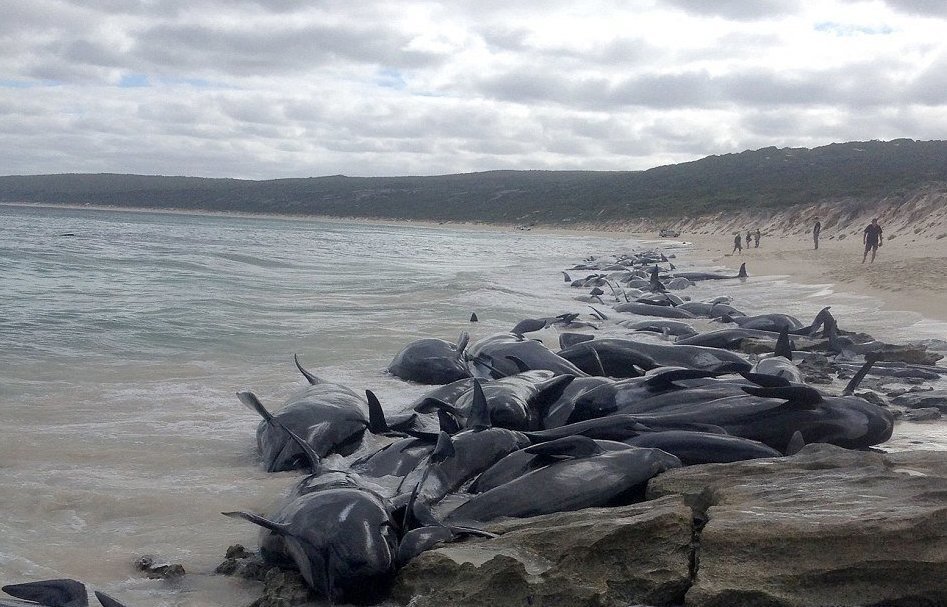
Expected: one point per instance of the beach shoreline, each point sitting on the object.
(909, 273)
(906, 276)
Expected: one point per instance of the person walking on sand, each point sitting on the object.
(737, 245)
(756, 239)
(749, 238)
(872, 239)
(815, 232)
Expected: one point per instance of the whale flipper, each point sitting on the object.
(313, 379)
(51, 593)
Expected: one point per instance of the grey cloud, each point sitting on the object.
(311, 88)
(524, 85)
(930, 8)
(930, 86)
(855, 85)
(739, 10)
(667, 90)
(505, 38)
(265, 50)
(91, 53)
(26, 19)
(768, 124)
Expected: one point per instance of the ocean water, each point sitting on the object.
(123, 343)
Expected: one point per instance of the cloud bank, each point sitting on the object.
(289, 88)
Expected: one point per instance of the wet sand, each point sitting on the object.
(909, 273)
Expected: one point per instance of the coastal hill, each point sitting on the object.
(767, 181)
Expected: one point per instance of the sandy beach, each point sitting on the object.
(907, 274)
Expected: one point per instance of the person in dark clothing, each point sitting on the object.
(815, 232)
(749, 238)
(872, 239)
(737, 244)
(756, 239)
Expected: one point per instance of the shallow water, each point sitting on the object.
(123, 347)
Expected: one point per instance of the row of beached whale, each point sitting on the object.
(515, 429)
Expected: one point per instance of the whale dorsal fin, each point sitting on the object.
(444, 449)
(796, 443)
(479, 418)
(377, 424)
(447, 422)
(783, 346)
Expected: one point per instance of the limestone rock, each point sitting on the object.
(827, 526)
(914, 354)
(923, 399)
(597, 557)
(923, 414)
(149, 565)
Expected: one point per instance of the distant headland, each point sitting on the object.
(768, 181)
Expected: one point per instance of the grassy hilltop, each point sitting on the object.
(769, 180)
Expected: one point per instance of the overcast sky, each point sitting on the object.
(293, 88)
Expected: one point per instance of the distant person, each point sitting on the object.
(749, 239)
(756, 239)
(816, 229)
(737, 244)
(872, 239)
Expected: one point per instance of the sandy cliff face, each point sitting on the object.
(922, 213)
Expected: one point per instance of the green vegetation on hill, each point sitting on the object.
(769, 178)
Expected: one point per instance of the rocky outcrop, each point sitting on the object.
(825, 527)
(923, 399)
(596, 557)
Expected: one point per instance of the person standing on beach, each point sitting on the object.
(815, 232)
(872, 239)
(737, 244)
(749, 238)
(756, 239)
